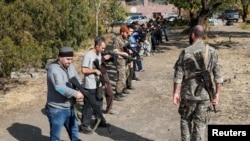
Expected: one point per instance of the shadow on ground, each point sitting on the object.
(25, 132)
(119, 134)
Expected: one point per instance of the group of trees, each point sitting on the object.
(200, 10)
(32, 31)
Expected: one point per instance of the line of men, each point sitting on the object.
(149, 35)
(153, 31)
(62, 94)
(189, 92)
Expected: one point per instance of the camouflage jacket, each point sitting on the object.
(119, 45)
(186, 66)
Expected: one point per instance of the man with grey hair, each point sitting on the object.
(61, 96)
(91, 84)
(189, 92)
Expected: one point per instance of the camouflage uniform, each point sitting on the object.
(195, 103)
(119, 43)
(129, 73)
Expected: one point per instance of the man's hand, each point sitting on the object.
(176, 95)
(176, 99)
(79, 95)
(216, 100)
(130, 51)
(122, 53)
(107, 57)
(97, 72)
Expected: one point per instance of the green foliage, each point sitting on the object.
(114, 11)
(32, 31)
(31, 53)
(199, 10)
(9, 57)
(245, 26)
(13, 58)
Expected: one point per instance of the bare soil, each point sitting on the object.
(148, 113)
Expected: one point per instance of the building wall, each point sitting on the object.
(148, 10)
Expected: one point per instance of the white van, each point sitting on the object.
(139, 18)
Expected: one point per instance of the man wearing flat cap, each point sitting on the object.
(61, 96)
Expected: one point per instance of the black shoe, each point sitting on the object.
(118, 97)
(136, 79)
(123, 95)
(131, 88)
(125, 91)
(86, 130)
(102, 124)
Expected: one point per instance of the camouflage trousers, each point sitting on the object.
(194, 119)
(129, 74)
(121, 78)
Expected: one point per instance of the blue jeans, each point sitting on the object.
(137, 63)
(153, 41)
(165, 32)
(59, 118)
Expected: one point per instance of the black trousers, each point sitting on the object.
(87, 110)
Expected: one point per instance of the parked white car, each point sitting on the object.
(212, 22)
(133, 18)
(172, 18)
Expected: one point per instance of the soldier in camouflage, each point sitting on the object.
(193, 101)
(120, 42)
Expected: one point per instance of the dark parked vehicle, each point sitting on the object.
(231, 15)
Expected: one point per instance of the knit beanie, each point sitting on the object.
(66, 52)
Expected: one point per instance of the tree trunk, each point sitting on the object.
(202, 19)
(96, 22)
(206, 12)
(193, 19)
(97, 11)
(245, 12)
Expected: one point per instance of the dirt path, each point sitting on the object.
(147, 114)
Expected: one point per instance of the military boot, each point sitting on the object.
(125, 91)
(130, 87)
(118, 97)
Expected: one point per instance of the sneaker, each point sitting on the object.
(112, 112)
(86, 129)
(142, 70)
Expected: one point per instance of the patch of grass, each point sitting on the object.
(245, 26)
